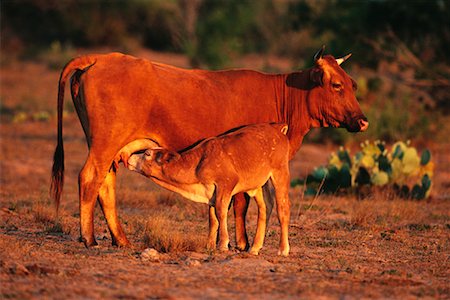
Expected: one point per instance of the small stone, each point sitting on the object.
(150, 254)
(192, 262)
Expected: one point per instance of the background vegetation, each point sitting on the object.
(401, 48)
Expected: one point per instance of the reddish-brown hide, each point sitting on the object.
(218, 168)
(120, 98)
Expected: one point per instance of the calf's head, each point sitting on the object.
(332, 101)
(151, 162)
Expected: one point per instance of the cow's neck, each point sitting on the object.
(294, 90)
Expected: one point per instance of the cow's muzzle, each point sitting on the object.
(363, 124)
(358, 125)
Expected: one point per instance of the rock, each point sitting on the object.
(150, 254)
(192, 262)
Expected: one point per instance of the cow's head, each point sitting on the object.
(332, 101)
(151, 162)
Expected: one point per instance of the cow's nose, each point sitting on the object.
(363, 124)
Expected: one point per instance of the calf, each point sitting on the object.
(217, 168)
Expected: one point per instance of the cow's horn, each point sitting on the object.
(319, 53)
(342, 59)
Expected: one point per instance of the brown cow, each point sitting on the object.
(216, 169)
(120, 98)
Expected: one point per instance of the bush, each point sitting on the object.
(374, 166)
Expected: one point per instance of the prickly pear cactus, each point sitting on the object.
(374, 165)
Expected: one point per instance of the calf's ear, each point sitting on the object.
(170, 156)
(162, 156)
(316, 76)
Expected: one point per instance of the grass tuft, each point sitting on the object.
(165, 235)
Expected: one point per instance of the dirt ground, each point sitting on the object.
(340, 247)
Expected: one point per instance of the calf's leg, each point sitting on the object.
(213, 229)
(240, 206)
(107, 199)
(222, 202)
(281, 185)
(261, 227)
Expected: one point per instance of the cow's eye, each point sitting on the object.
(337, 86)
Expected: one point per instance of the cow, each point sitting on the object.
(217, 168)
(120, 98)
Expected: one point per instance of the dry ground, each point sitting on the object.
(340, 247)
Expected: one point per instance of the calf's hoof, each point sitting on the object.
(254, 251)
(88, 243)
(284, 252)
(243, 246)
(211, 246)
(122, 243)
(224, 247)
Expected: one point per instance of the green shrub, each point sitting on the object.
(399, 167)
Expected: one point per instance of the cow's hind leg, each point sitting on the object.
(240, 206)
(90, 180)
(107, 199)
(261, 227)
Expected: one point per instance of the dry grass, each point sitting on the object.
(381, 209)
(167, 235)
(44, 214)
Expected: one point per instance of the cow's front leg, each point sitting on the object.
(240, 205)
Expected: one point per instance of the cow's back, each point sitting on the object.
(173, 106)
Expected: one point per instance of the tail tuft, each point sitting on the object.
(57, 175)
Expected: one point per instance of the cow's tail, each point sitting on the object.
(269, 200)
(57, 181)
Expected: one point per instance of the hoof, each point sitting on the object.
(284, 253)
(211, 247)
(254, 251)
(223, 248)
(122, 243)
(88, 244)
(243, 247)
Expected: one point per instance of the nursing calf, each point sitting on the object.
(240, 161)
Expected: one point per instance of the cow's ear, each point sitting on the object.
(316, 76)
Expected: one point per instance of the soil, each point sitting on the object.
(341, 247)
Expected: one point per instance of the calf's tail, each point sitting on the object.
(57, 180)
